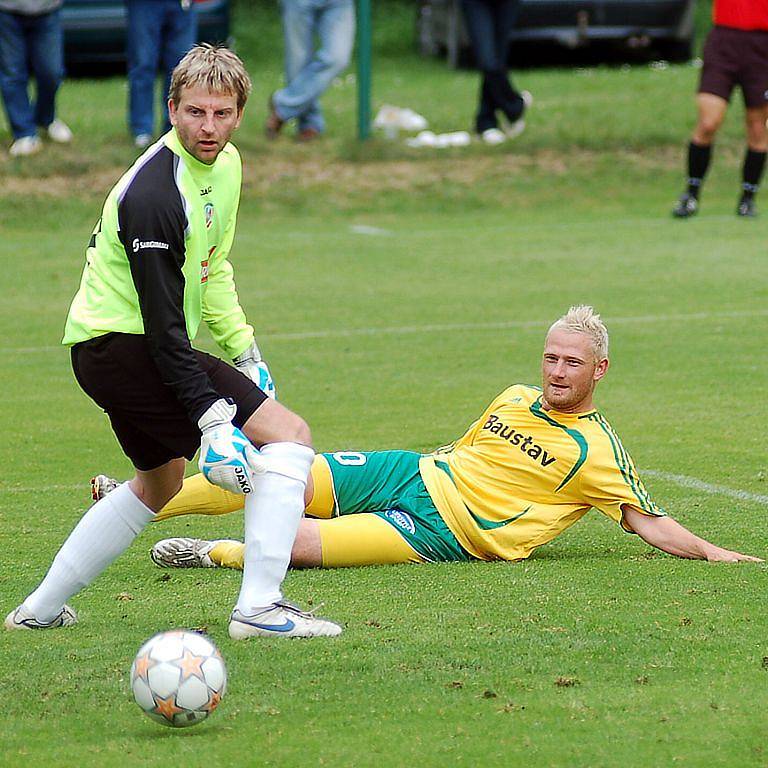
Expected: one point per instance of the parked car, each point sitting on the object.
(94, 30)
(667, 26)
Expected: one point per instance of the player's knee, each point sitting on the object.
(706, 130)
(296, 430)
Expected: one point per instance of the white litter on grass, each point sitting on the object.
(439, 140)
(392, 119)
(365, 229)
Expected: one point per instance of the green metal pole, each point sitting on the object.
(363, 69)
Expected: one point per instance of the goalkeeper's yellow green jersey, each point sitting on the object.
(521, 475)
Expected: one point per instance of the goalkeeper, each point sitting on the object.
(532, 465)
(156, 266)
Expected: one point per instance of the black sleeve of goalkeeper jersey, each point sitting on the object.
(152, 221)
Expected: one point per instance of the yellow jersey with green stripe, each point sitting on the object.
(521, 475)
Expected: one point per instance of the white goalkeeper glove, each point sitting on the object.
(227, 458)
(251, 364)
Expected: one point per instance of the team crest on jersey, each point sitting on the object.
(208, 215)
(401, 520)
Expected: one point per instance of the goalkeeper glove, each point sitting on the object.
(227, 458)
(251, 364)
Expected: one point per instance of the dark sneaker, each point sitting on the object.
(305, 135)
(686, 207)
(747, 207)
(274, 123)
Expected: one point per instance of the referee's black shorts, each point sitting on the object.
(151, 425)
(736, 57)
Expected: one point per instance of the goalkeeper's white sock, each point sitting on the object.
(272, 516)
(104, 532)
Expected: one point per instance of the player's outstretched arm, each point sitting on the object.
(669, 536)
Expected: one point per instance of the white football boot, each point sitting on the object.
(184, 553)
(280, 619)
(21, 618)
(101, 485)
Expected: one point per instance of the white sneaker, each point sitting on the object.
(280, 620)
(26, 145)
(527, 97)
(183, 553)
(142, 141)
(59, 132)
(493, 137)
(513, 130)
(21, 618)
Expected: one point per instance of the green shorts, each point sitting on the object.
(388, 484)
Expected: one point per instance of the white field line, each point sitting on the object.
(699, 485)
(517, 228)
(365, 229)
(403, 330)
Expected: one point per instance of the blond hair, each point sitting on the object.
(214, 68)
(584, 319)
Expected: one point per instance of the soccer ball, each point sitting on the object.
(178, 678)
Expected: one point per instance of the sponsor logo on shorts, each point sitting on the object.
(208, 215)
(401, 520)
(141, 245)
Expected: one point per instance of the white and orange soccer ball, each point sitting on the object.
(178, 678)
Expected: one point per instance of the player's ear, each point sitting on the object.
(172, 111)
(601, 369)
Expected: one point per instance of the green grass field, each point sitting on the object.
(395, 293)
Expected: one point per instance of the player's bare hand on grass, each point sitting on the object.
(720, 555)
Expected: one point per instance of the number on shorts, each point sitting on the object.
(350, 458)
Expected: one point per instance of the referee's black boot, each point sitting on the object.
(747, 207)
(686, 207)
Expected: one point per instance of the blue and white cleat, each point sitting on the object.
(21, 618)
(280, 620)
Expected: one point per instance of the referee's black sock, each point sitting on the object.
(698, 162)
(752, 172)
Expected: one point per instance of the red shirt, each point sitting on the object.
(741, 14)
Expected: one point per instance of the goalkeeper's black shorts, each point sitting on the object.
(151, 425)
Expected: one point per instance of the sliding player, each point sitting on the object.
(532, 465)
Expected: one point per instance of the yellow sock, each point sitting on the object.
(228, 554)
(199, 497)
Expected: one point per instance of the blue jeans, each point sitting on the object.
(308, 72)
(30, 42)
(159, 33)
(489, 23)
